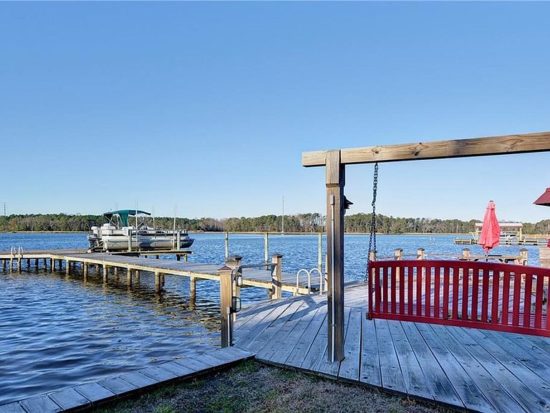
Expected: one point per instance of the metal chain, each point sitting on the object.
(373, 230)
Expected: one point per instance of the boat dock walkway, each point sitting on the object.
(107, 264)
(465, 368)
(87, 395)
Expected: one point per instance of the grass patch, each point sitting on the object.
(252, 387)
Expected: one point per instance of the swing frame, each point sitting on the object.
(335, 162)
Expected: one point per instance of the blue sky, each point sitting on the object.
(208, 106)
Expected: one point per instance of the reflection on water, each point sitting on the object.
(56, 331)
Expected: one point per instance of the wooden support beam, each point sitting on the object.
(226, 294)
(158, 282)
(494, 145)
(277, 276)
(335, 182)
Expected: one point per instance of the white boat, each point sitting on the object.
(118, 235)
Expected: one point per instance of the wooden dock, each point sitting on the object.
(106, 265)
(465, 368)
(87, 395)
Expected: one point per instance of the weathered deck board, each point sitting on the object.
(479, 370)
(91, 394)
(523, 394)
(469, 393)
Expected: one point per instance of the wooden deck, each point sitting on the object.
(87, 395)
(466, 368)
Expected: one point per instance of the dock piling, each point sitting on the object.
(276, 276)
(226, 294)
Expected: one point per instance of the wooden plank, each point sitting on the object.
(263, 321)
(413, 376)
(281, 340)
(530, 401)
(350, 367)
(42, 404)
(532, 357)
(370, 359)
(116, 385)
(271, 331)
(13, 407)
(439, 384)
(69, 398)
(301, 350)
(193, 364)
(294, 336)
(493, 145)
(317, 348)
(137, 379)
(516, 366)
(470, 395)
(244, 335)
(392, 376)
(94, 392)
(490, 386)
(177, 369)
(157, 373)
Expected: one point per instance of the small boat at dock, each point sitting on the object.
(119, 235)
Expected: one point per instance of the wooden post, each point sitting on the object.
(276, 276)
(129, 277)
(335, 182)
(466, 254)
(226, 294)
(158, 286)
(398, 254)
(523, 256)
(192, 290)
(266, 246)
(85, 271)
(320, 252)
(137, 274)
(105, 273)
(226, 243)
(420, 254)
(67, 267)
(234, 263)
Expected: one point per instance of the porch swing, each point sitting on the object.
(487, 295)
(476, 294)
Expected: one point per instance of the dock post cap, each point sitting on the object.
(277, 255)
(234, 258)
(225, 268)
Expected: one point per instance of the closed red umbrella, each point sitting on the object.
(490, 231)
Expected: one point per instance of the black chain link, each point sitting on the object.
(372, 237)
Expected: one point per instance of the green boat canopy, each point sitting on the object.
(123, 215)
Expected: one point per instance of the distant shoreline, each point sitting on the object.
(251, 232)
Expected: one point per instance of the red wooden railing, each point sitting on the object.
(484, 295)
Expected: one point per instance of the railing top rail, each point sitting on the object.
(488, 266)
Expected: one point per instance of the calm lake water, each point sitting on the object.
(57, 331)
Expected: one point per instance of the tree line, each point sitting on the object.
(309, 222)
